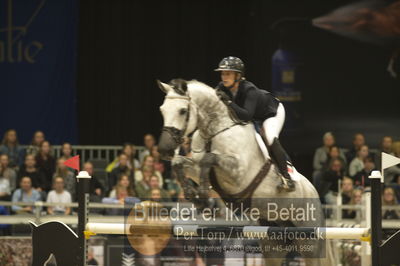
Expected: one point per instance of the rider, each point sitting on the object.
(252, 104)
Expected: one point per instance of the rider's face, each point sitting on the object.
(228, 78)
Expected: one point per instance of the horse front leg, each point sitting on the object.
(178, 164)
(209, 160)
(228, 164)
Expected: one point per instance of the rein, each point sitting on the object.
(177, 134)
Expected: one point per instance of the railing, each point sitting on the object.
(107, 152)
(87, 153)
(39, 216)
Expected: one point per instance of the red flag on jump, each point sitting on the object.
(73, 162)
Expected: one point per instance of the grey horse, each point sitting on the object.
(230, 151)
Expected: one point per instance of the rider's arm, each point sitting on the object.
(247, 112)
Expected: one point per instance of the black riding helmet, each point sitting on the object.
(231, 63)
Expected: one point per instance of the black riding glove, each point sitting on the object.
(224, 97)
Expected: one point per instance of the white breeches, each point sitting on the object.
(272, 126)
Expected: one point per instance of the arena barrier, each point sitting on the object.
(71, 249)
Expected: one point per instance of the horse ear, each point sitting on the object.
(179, 86)
(163, 86)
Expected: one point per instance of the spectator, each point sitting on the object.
(357, 164)
(356, 198)
(38, 138)
(123, 181)
(347, 189)
(130, 151)
(10, 147)
(142, 186)
(121, 195)
(155, 184)
(362, 177)
(68, 176)
(148, 162)
(358, 141)
(158, 164)
(121, 169)
(25, 194)
(8, 172)
(96, 188)
(5, 190)
(45, 161)
(333, 153)
(149, 142)
(392, 172)
(389, 199)
(336, 153)
(66, 151)
(37, 177)
(120, 199)
(59, 195)
(321, 153)
(386, 146)
(155, 194)
(173, 188)
(330, 178)
(91, 259)
(162, 166)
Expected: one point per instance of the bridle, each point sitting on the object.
(177, 134)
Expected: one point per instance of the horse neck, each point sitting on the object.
(213, 117)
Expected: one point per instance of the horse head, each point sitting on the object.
(179, 114)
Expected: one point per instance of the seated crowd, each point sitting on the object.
(33, 174)
(342, 175)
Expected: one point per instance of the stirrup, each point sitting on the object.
(286, 185)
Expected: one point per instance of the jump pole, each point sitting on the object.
(376, 216)
(253, 232)
(85, 229)
(83, 179)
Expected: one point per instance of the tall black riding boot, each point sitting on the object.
(279, 154)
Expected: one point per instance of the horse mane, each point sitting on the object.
(197, 85)
(180, 86)
(197, 90)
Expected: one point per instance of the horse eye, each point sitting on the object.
(182, 111)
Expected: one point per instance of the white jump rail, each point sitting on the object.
(246, 231)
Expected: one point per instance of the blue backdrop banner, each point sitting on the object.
(38, 68)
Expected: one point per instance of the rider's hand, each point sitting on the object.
(223, 96)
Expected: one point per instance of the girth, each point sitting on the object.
(245, 194)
